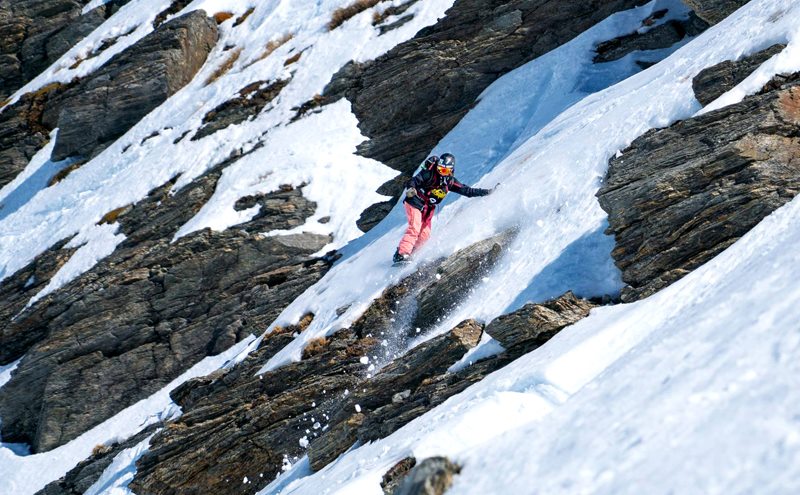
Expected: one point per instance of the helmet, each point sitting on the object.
(447, 163)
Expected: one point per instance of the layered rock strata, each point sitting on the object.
(713, 82)
(681, 195)
(111, 100)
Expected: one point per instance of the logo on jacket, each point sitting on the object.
(438, 193)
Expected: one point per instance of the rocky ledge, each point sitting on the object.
(679, 196)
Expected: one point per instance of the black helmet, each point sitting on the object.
(447, 160)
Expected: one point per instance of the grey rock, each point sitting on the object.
(534, 324)
(449, 64)
(456, 277)
(23, 132)
(394, 476)
(679, 196)
(35, 33)
(238, 424)
(717, 80)
(115, 97)
(713, 11)
(251, 100)
(149, 311)
(427, 360)
(432, 476)
(661, 36)
(16, 291)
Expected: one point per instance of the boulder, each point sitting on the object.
(115, 97)
(456, 276)
(679, 196)
(534, 324)
(713, 11)
(432, 476)
(713, 82)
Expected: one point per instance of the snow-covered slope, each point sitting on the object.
(693, 390)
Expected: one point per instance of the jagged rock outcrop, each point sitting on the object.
(713, 11)
(22, 132)
(394, 476)
(432, 476)
(114, 98)
(713, 82)
(151, 310)
(534, 324)
(455, 277)
(35, 33)
(449, 64)
(679, 196)
(237, 423)
(661, 36)
(430, 359)
(250, 101)
(80, 478)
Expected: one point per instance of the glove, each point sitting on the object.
(411, 192)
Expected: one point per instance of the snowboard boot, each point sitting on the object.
(401, 258)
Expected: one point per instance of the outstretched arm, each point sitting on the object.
(467, 191)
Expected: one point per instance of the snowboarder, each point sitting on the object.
(424, 191)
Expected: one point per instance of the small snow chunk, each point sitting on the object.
(304, 442)
(358, 408)
(317, 426)
(31, 281)
(245, 481)
(438, 276)
(364, 360)
(618, 154)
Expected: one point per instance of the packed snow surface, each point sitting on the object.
(694, 390)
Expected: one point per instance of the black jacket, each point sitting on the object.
(432, 188)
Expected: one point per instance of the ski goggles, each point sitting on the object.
(444, 170)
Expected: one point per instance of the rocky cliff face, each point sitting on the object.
(679, 196)
(240, 424)
(98, 110)
(141, 317)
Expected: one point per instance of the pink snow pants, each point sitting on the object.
(419, 228)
